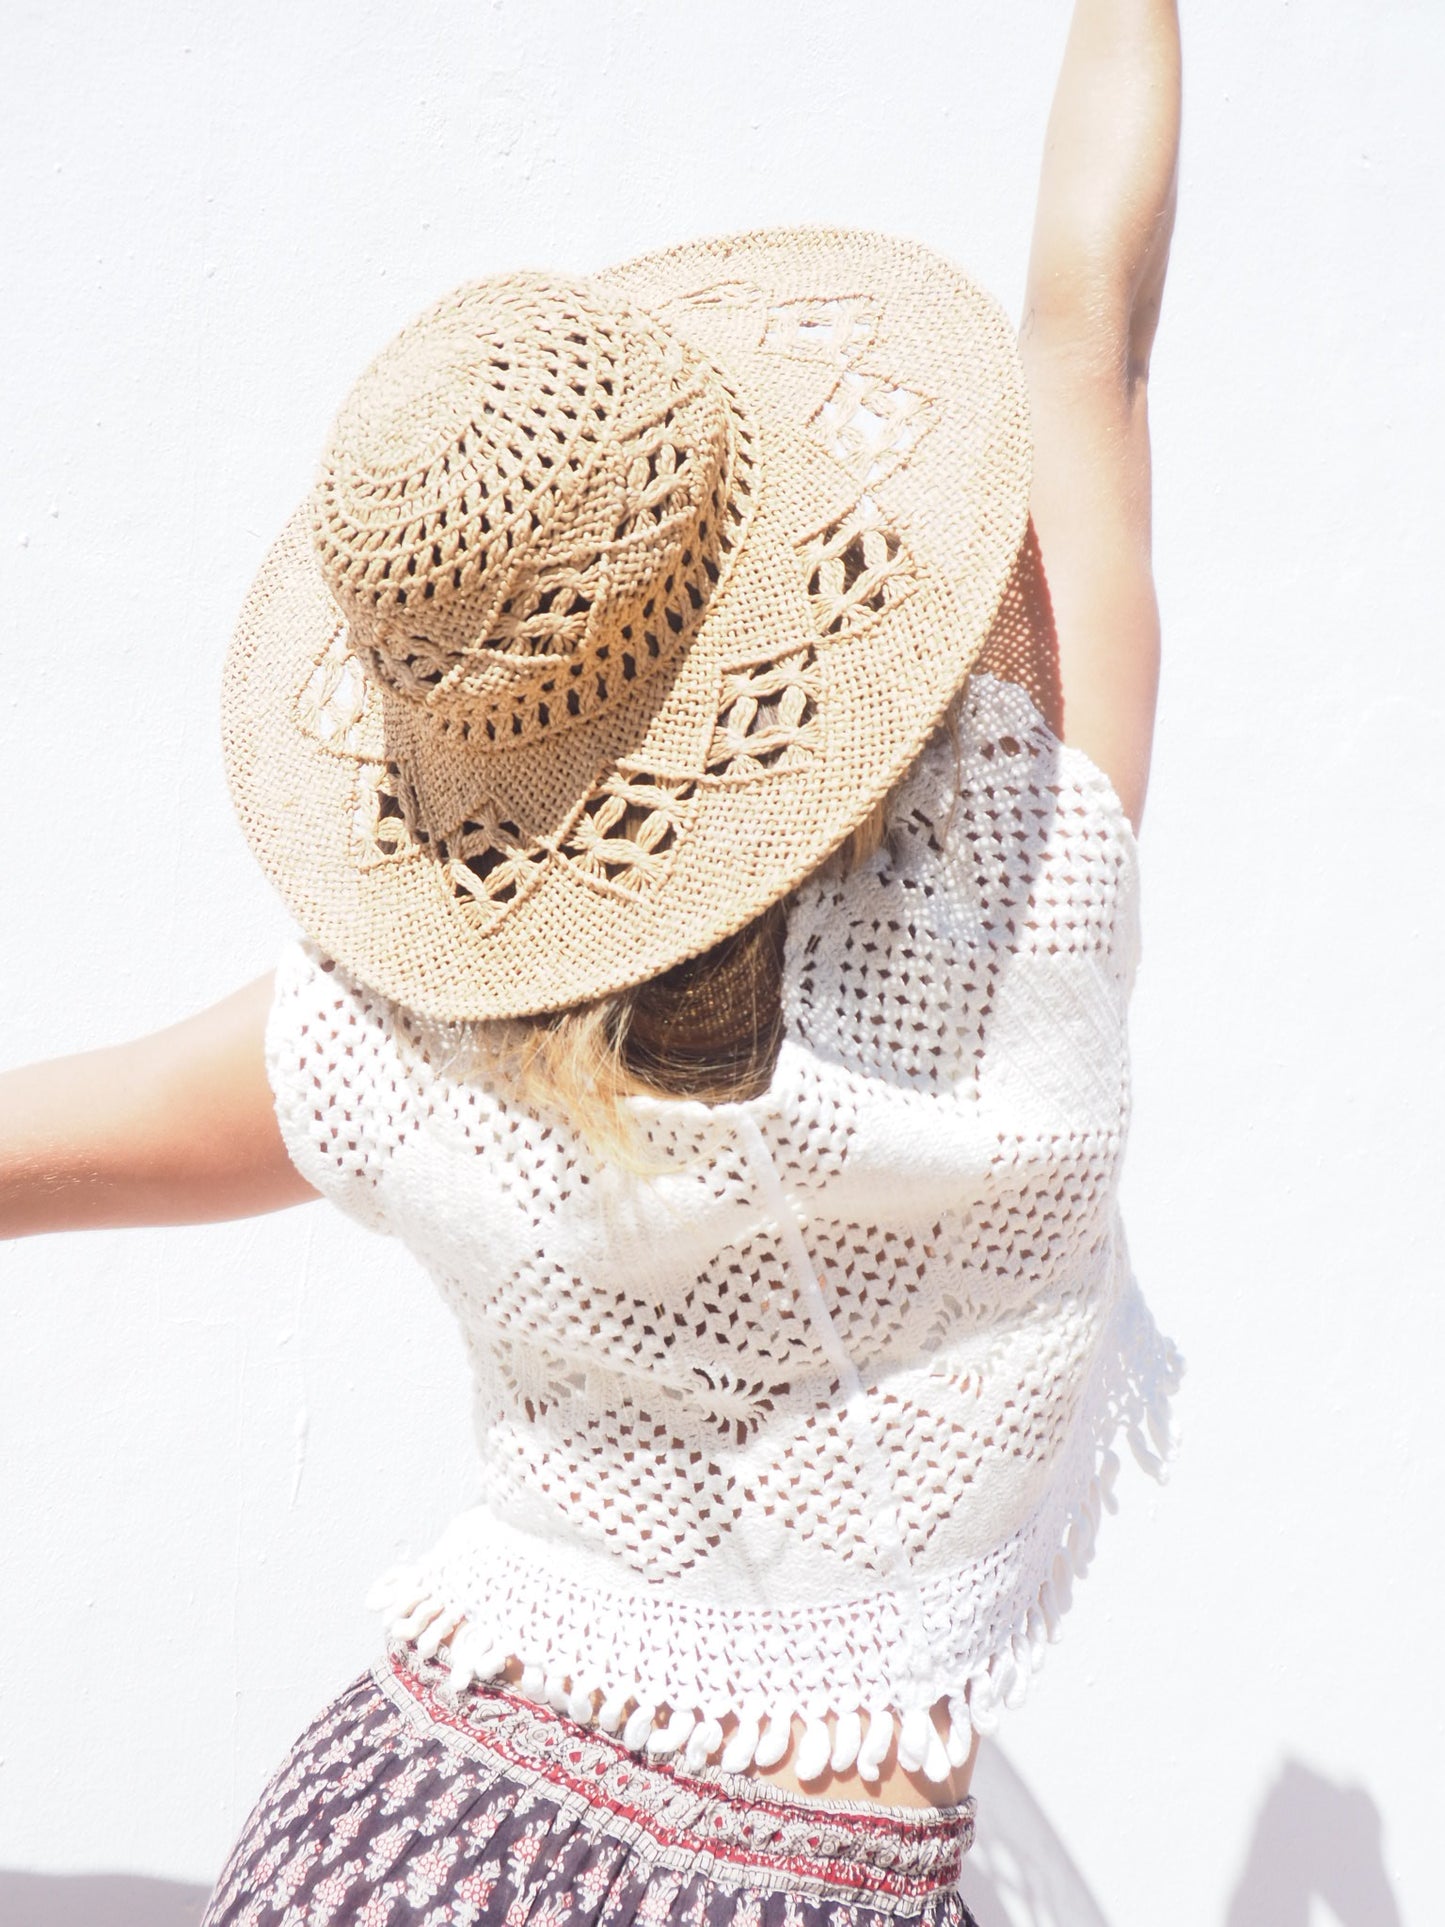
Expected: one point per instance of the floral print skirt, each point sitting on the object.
(401, 1808)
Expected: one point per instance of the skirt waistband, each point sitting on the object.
(740, 1830)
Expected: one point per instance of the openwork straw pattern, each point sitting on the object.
(617, 604)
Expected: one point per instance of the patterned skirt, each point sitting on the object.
(398, 1808)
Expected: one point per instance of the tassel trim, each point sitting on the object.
(421, 1611)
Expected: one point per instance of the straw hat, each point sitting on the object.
(617, 604)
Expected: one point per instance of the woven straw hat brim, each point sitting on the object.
(885, 479)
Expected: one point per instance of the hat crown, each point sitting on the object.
(524, 503)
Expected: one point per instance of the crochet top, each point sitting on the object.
(813, 1420)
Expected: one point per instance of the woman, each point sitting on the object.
(714, 968)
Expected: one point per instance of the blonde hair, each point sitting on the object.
(709, 1028)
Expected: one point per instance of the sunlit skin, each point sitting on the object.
(179, 1127)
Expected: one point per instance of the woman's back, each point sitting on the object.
(806, 1419)
(620, 606)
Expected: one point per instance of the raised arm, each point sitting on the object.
(176, 1128)
(1096, 278)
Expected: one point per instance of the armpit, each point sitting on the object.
(1023, 644)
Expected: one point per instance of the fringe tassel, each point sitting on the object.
(417, 1611)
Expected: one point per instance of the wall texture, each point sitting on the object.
(213, 1438)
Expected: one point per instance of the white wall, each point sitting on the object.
(212, 1438)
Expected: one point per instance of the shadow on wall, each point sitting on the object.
(1314, 1839)
(97, 1900)
(1019, 1873)
(1311, 1839)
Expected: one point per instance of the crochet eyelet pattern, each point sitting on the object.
(811, 1427)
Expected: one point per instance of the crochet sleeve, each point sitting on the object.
(328, 1045)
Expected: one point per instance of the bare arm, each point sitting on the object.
(1096, 279)
(176, 1128)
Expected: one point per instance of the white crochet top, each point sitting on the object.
(814, 1422)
